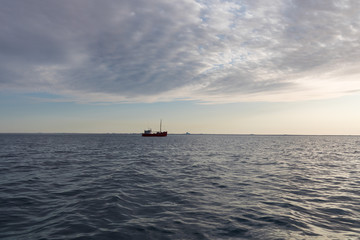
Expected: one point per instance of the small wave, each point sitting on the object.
(126, 187)
(341, 198)
(334, 211)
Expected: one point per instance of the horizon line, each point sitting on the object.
(135, 133)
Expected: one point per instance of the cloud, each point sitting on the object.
(156, 50)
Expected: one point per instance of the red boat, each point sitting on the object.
(149, 133)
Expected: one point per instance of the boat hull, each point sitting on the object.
(158, 134)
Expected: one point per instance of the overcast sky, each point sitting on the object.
(156, 50)
(203, 51)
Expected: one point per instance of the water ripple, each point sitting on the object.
(181, 187)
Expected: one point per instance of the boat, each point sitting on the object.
(149, 133)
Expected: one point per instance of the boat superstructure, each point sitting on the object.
(149, 133)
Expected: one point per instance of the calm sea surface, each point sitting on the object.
(80, 186)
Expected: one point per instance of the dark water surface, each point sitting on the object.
(80, 186)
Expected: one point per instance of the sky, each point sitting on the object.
(202, 66)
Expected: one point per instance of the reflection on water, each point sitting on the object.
(179, 187)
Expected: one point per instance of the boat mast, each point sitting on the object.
(160, 124)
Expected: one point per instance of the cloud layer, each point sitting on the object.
(158, 50)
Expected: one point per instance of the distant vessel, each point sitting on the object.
(149, 133)
(187, 133)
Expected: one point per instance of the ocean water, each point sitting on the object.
(112, 186)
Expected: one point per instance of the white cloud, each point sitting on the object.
(208, 51)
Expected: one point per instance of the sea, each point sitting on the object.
(124, 186)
